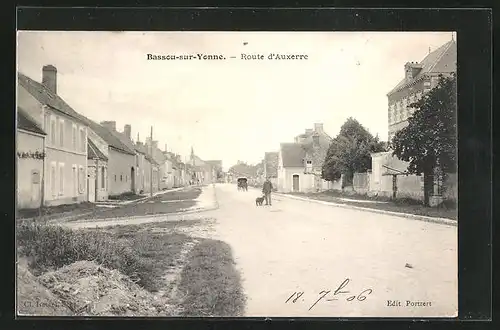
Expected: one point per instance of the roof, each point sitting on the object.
(441, 60)
(46, 97)
(25, 122)
(292, 154)
(111, 138)
(93, 152)
(141, 148)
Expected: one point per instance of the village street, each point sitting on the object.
(299, 246)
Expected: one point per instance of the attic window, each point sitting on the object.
(309, 162)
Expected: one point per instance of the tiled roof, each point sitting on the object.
(293, 154)
(46, 97)
(441, 60)
(94, 152)
(26, 123)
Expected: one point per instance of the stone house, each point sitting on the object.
(97, 168)
(300, 163)
(146, 167)
(202, 172)
(30, 147)
(65, 162)
(419, 78)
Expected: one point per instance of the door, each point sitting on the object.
(295, 182)
(35, 188)
(132, 176)
(91, 186)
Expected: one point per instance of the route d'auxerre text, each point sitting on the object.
(208, 57)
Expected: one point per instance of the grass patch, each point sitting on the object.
(211, 283)
(141, 256)
(126, 196)
(49, 212)
(448, 209)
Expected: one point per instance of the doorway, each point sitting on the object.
(132, 176)
(295, 183)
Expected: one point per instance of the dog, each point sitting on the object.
(259, 201)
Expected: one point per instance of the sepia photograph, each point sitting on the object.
(236, 174)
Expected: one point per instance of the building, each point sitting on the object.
(121, 157)
(202, 172)
(97, 169)
(216, 169)
(148, 169)
(300, 163)
(30, 148)
(419, 78)
(65, 162)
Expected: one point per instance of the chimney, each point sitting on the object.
(49, 78)
(127, 130)
(109, 125)
(166, 147)
(318, 127)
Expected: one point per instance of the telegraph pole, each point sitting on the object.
(151, 154)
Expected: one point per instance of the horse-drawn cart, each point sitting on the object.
(242, 183)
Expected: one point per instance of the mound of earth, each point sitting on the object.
(92, 290)
(34, 299)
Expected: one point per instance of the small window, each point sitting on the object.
(115, 177)
(103, 177)
(61, 179)
(61, 133)
(309, 162)
(121, 177)
(74, 137)
(75, 180)
(53, 131)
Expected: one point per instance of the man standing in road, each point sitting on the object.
(266, 190)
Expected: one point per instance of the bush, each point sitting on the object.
(49, 247)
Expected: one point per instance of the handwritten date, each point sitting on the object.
(328, 295)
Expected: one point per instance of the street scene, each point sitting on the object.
(327, 190)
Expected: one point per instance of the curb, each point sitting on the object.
(143, 198)
(193, 211)
(443, 221)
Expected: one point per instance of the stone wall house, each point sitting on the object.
(30, 146)
(419, 78)
(300, 163)
(65, 162)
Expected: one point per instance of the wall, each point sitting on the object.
(285, 180)
(119, 164)
(361, 183)
(332, 185)
(29, 189)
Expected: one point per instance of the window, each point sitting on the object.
(61, 132)
(53, 179)
(53, 131)
(81, 180)
(83, 141)
(74, 137)
(103, 177)
(74, 176)
(121, 177)
(115, 177)
(61, 179)
(46, 125)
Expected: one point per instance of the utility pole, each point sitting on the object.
(151, 154)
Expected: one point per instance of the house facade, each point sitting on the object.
(65, 162)
(202, 173)
(300, 163)
(419, 78)
(97, 169)
(30, 147)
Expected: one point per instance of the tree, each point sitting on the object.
(429, 141)
(350, 152)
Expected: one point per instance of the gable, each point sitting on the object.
(293, 154)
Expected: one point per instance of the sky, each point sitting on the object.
(229, 109)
